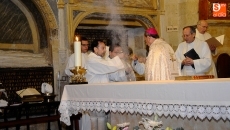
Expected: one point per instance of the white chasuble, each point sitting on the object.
(158, 63)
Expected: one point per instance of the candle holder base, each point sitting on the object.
(78, 82)
(79, 75)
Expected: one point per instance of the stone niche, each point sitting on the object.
(25, 33)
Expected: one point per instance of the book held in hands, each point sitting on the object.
(192, 54)
(216, 41)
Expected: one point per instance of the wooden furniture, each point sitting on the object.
(30, 113)
(14, 79)
(75, 122)
(19, 113)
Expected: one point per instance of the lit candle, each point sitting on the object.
(77, 52)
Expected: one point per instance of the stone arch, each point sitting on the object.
(26, 36)
(48, 15)
(51, 27)
(145, 20)
(28, 26)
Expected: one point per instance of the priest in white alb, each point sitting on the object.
(187, 65)
(98, 68)
(203, 35)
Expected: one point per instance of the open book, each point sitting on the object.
(216, 41)
(27, 92)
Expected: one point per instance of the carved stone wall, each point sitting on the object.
(153, 4)
(28, 26)
(144, 12)
(18, 29)
(14, 25)
(66, 15)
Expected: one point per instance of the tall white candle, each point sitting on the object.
(77, 52)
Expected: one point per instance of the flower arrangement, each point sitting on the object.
(123, 126)
(147, 123)
(154, 124)
(150, 124)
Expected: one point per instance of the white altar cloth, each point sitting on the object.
(208, 98)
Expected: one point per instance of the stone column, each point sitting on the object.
(62, 51)
(61, 32)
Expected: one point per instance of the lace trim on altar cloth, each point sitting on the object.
(67, 108)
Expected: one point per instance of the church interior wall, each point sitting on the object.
(177, 13)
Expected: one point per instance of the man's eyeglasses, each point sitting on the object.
(85, 44)
(119, 52)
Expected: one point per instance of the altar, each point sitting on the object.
(191, 100)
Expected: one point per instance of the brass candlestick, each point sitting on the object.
(79, 75)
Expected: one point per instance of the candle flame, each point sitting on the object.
(76, 38)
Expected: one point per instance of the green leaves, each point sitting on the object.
(156, 117)
(114, 128)
(168, 128)
(110, 126)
